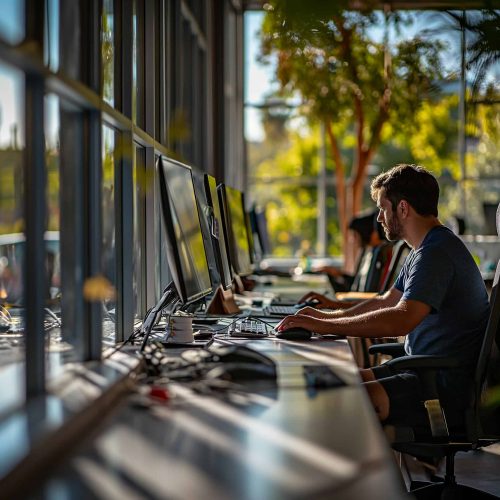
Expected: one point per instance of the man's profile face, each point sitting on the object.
(390, 222)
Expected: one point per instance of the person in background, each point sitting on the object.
(365, 232)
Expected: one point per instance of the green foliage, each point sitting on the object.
(331, 61)
(432, 136)
(285, 183)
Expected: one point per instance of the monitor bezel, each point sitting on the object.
(173, 255)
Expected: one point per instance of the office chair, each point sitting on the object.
(441, 443)
(400, 251)
(373, 268)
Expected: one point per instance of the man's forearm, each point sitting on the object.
(359, 307)
(387, 322)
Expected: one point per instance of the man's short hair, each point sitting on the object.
(412, 183)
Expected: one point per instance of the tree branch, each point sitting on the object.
(339, 177)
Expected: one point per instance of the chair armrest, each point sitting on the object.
(422, 362)
(394, 349)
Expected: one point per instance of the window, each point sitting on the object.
(51, 42)
(11, 226)
(108, 53)
(108, 249)
(12, 21)
(138, 63)
(141, 184)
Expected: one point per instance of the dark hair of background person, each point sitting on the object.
(412, 183)
(365, 224)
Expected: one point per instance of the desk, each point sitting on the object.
(268, 441)
(293, 288)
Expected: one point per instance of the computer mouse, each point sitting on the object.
(235, 372)
(238, 354)
(294, 334)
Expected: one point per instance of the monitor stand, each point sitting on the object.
(223, 303)
(238, 285)
(168, 297)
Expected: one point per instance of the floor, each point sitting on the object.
(479, 469)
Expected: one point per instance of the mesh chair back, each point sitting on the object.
(399, 254)
(492, 334)
(381, 257)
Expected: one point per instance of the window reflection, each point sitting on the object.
(108, 52)
(108, 229)
(11, 214)
(139, 212)
(51, 33)
(52, 156)
(12, 21)
(138, 62)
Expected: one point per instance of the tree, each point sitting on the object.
(483, 47)
(348, 81)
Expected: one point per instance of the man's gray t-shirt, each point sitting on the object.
(442, 274)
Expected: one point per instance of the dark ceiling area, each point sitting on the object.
(404, 4)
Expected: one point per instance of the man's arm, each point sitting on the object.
(388, 299)
(393, 321)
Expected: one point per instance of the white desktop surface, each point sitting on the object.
(267, 441)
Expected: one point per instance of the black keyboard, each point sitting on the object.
(248, 328)
(276, 310)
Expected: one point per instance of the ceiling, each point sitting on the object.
(405, 4)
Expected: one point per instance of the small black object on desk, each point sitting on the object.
(294, 334)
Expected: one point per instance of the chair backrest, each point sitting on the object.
(362, 270)
(492, 334)
(399, 253)
(371, 279)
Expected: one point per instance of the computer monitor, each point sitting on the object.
(258, 223)
(185, 248)
(234, 224)
(252, 253)
(206, 216)
(217, 232)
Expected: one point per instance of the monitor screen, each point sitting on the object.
(186, 252)
(217, 232)
(236, 229)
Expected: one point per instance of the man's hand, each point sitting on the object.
(322, 301)
(297, 320)
(310, 311)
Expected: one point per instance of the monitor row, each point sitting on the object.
(209, 237)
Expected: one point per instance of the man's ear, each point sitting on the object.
(403, 208)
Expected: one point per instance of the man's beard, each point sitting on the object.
(394, 229)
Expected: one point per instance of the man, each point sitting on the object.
(438, 302)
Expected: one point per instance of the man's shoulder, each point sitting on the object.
(441, 242)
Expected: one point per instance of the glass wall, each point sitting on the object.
(141, 188)
(12, 217)
(452, 129)
(12, 21)
(108, 251)
(108, 52)
(95, 200)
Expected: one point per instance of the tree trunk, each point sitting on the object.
(339, 178)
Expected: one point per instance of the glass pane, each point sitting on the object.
(51, 34)
(138, 63)
(139, 220)
(134, 63)
(11, 227)
(108, 233)
(12, 21)
(108, 52)
(57, 349)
